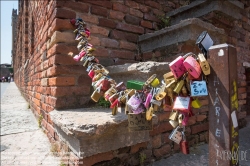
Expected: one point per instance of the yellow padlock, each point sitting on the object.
(179, 86)
(173, 115)
(150, 80)
(160, 96)
(149, 113)
(204, 64)
(180, 119)
(155, 82)
(196, 103)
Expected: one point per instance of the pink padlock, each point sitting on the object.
(78, 57)
(192, 66)
(148, 99)
(177, 67)
(185, 119)
(91, 73)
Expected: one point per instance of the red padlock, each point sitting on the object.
(184, 145)
(91, 73)
(105, 85)
(177, 67)
(115, 103)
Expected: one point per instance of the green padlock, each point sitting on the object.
(133, 84)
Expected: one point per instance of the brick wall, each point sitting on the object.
(248, 91)
(49, 79)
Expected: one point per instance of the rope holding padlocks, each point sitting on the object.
(178, 91)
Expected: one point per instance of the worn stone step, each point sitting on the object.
(90, 131)
(186, 31)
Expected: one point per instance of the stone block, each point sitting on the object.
(61, 37)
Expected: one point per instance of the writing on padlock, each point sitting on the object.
(177, 67)
(176, 135)
(198, 88)
(182, 103)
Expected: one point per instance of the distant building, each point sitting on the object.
(14, 32)
(6, 69)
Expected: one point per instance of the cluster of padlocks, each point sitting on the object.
(178, 91)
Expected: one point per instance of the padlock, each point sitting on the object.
(156, 102)
(86, 62)
(180, 119)
(149, 113)
(105, 85)
(192, 66)
(79, 56)
(168, 75)
(120, 87)
(113, 97)
(134, 102)
(173, 123)
(91, 74)
(204, 64)
(198, 88)
(161, 93)
(176, 135)
(177, 67)
(150, 80)
(133, 84)
(182, 103)
(130, 92)
(97, 77)
(114, 104)
(114, 110)
(109, 92)
(155, 82)
(184, 144)
(148, 99)
(184, 91)
(173, 115)
(196, 103)
(139, 110)
(96, 95)
(171, 85)
(90, 65)
(178, 87)
(185, 119)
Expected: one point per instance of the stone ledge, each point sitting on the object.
(203, 7)
(89, 131)
(186, 30)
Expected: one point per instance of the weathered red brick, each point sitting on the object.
(76, 6)
(107, 23)
(200, 118)
(97, 158)
(136, 13)
(70, 90)
(128, 45)
(120, 7)
(124, 36)
(122, 54)
(132, 4)
(144, 9)
(61, 81)
(132, 20)
(156, 141)
(199, 128)
(106, 4)
(165, 149)
(130, 28)
(61, 48)
(99, 11)
(111, 43)
(150, 17)
(95, 41)
(64, 13)
(153, 4)
(88, 18)
(137, 147)
(164, 138)
(62, 60)
(163, 116)
(116, 15)
(160, 128)
(99, 30)
(146, 24)
(101, 52)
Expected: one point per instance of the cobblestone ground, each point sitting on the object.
(23, 143)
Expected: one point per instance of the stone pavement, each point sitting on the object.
(23, 143)
(199, 155)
